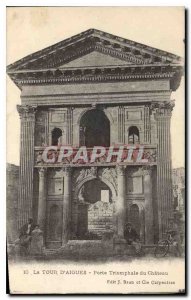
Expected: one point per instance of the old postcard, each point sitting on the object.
(95, 155)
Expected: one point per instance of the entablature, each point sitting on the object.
(97, 75)
(113, 99)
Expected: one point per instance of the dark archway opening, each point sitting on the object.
(94, 129)
(95, 210)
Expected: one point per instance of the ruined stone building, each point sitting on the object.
(96, 89)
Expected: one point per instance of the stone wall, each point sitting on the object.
(12, 202)
(100, 216)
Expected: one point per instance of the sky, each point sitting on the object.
(30, 29)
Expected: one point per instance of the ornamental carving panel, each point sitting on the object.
(80, 175)
(107, 175)
(110, 175)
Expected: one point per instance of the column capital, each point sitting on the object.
(26, 111)
(42, 171)
(67, 170)
(147, 170)
(120, 170)
(162, 108)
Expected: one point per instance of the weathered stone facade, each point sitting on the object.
(96, 89)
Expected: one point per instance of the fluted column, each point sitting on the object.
(25, 199)
(149, 230)
(42, 199)
(164, 167)
(66, 205)
(120, 203)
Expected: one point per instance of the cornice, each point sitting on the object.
(90, 75)
(98, 78)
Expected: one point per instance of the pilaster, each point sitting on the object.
(120, 203)
(121, 124)
(66, 205)
(147, 127)
(69, 135)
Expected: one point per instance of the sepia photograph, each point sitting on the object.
(95, 150)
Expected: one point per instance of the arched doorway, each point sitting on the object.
(94, 129)
(95, 210)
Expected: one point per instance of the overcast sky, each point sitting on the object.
(32, 29)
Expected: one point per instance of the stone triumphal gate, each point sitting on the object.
(96, 89)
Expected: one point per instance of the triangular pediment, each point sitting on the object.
(95, 59)
(94, 48)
